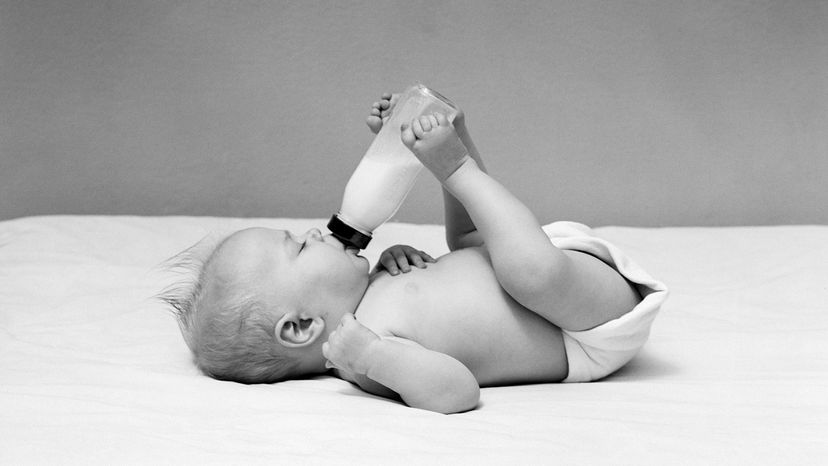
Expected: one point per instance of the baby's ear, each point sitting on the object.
(294, 332)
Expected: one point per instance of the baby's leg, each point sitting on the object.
(519, 249)
(572, 290)
(382, 109)
(459, 124)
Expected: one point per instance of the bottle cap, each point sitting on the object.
(347, 234)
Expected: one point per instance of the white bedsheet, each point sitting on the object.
(93, 370)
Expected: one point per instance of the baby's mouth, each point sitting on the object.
(331, 239)
(346, 248)
(352, 251)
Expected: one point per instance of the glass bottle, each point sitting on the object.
(387, 171)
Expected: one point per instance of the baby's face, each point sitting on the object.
(309, 273)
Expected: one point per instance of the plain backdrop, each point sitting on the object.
(641, 113)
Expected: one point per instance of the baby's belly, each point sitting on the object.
(457, 307)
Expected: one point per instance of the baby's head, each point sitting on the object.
(260, 305)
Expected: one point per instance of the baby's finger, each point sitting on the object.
(418, 261)
(402, 261)
(347, 317)
(426, 257)
(390, 264)
(441, 119)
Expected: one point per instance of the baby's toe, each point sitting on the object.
(433, 119)
(425, 122)
(374, 123)
(417, 127)
(407, 135)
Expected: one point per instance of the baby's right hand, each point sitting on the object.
(381, 111)
(349, 346)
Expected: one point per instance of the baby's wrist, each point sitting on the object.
(367, 358)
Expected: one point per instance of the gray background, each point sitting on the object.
(644, 113)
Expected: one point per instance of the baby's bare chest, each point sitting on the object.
(459, 288)
(457, 306)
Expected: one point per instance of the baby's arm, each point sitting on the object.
(423, 378)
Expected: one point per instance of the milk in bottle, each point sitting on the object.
(387, 171)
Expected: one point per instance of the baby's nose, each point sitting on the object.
(314, 233)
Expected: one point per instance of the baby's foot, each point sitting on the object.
(381, 111)
(434, 141)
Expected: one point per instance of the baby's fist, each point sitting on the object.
(348, 347)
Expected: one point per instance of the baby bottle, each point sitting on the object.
(387, 171)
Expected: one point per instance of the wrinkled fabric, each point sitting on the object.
(94, 371)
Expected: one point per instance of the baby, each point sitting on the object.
(512, 303)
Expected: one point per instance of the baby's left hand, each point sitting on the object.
(348, 347)
(399, 257)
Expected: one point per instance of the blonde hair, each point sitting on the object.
(230, 337)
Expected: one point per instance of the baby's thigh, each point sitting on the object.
(585, 293)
